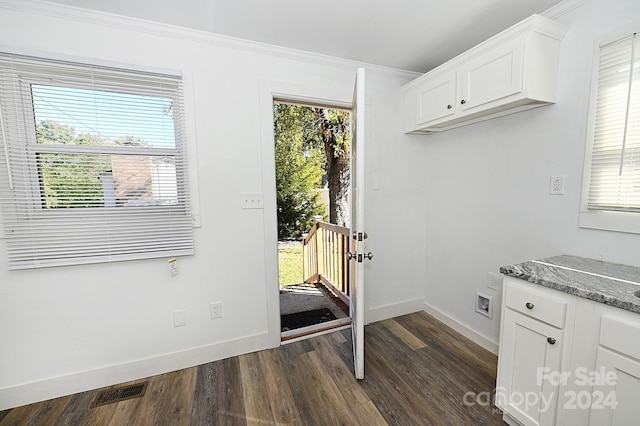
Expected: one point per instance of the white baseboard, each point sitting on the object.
(478, 338)
(28, 393)
(394, 310)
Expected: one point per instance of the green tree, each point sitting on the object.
(70, 180)
(334, 132)
(299, 169)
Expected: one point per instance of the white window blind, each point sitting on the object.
(92, 166)
(614, 182)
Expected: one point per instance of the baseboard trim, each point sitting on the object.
(380, 313)
(42, 390)
(478, 338)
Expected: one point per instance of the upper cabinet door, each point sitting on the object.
(436, 98)
(511, 72)
(492, 76)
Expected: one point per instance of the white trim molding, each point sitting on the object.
(168, 30)
(562, 8)
(467, 332)
(55, 387)
(380, 313)
(270, 90)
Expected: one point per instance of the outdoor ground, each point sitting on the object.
(290, 262)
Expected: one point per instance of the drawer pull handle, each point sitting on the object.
(529, 305)
(551, 340)
(463, 102)
(449, 106)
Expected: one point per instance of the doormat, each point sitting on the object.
(304, 319)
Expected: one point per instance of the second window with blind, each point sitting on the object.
(611, 184)
(94, 163)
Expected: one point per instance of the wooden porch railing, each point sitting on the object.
(325, 257)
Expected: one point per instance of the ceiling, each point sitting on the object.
(415, 35)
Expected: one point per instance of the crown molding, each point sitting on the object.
(135, 24)
(562, 8)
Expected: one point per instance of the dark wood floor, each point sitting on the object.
(417, 373)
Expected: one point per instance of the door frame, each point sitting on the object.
(293, 93)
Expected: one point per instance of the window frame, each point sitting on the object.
(33, 148)
(35, 209)
(603, 219)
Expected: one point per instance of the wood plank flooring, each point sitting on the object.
(417, 369)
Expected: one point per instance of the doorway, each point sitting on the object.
(312, 165)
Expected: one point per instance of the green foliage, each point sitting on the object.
(70, 180)
(299, 161)
(74, 180)
(339, 127)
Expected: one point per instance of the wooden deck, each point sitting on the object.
(417, 373)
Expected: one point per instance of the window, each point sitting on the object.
(94, 165)
(611, 189)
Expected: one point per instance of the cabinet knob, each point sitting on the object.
(449, 106)
(551, 340)
(529, 305)
(462, 102)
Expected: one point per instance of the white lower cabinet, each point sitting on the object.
(531, 350)
(616, 395)
(566, 360)
(532, 343)
(617, 402)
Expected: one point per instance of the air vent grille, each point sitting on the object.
(122, 393)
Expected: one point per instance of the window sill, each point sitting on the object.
(611, 221)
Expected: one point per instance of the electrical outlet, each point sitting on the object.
(494, 281)
(556, 185)
(216, 310)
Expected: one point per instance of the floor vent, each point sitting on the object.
(110, 396)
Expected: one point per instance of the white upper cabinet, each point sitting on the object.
(436, 98)
(494, 75)
(513, 71)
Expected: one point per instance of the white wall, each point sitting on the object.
(83, 327)
(487, 184)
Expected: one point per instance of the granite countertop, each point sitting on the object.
(604, 282)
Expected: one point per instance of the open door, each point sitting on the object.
(356, 255)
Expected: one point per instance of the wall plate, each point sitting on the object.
(484, 305)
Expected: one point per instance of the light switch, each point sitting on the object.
(179, 318)
(251, 200)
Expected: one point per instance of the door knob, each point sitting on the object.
(462, 102)
(368, 256)
(551, 340)
(529, 305)
(352, 256)
(449, 106)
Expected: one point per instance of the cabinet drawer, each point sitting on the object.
(536, 304)
(620, 335)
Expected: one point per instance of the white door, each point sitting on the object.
(357, 254)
